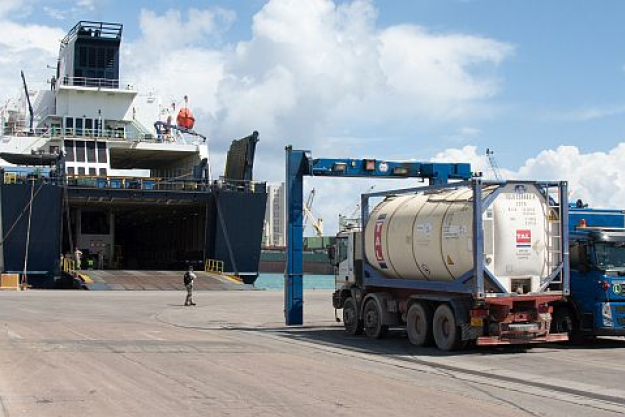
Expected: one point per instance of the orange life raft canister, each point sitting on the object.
(185, 118)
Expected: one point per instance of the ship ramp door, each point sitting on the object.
(137, 235)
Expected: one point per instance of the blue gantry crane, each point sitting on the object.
(300, 163)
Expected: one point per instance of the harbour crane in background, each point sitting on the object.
(353, 219)
(317, 223)
(492, 163)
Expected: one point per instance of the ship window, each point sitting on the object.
(90, 151)
(94, 223)
(81, 171)
(110, 58)
(79, 126)
(91, 171)
(69, 150)
(91, 57)
(101, 57)
(103, 172)
(89, 127)
(70, 170)
(82, 56)
(69, 126)
(102, 152)
(80, 151)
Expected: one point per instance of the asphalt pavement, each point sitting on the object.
(127, 353)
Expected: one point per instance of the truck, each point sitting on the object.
(596, 304)
(472, 262)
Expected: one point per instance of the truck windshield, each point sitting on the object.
(610, 255)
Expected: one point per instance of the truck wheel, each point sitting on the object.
(446, 332)
(353, 325)
(372, 318)
(419, 324)
(564, 322)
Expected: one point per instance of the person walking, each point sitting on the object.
(189, 277)
(77, 258)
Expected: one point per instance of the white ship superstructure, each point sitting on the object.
(102, 123)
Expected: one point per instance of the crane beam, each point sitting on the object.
(299, 163)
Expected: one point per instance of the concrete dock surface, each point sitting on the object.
(80, 353)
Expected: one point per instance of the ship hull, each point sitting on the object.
(146, 229)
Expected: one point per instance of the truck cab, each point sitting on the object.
(596, 306)
(597, 301)
(347, 257)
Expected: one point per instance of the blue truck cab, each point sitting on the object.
(596, 306)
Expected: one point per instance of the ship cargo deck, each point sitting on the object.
(158, 280)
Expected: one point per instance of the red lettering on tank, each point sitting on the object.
(377, 241)
(523, 236)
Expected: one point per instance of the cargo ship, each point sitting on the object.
(93, 164)
(314, 257)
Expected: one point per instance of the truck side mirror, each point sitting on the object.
(331, 250)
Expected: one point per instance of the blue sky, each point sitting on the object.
(389, 79)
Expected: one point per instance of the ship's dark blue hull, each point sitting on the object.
(154, 229)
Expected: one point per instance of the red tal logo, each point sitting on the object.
(523, 237)
(377, 241)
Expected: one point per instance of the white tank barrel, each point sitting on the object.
(430, 236)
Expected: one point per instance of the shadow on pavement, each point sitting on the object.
(396, 343)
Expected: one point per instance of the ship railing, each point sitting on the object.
(238, 185)
(94, 29)
(24, 131)
(26, 176)
(110, 83)
(111, 134)
(136, 183)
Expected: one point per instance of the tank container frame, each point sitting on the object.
(479, 274)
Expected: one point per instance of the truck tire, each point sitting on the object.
(445, 330)
(564, 322)
(372, 319)
(353, 325)
(419, 324)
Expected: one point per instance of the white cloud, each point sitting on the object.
(86, 5)
(13, 6)
(588, 113)
(597, 177)
(29, 48)
(311, 70)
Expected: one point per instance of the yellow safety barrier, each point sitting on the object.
(67, 264)
(214, 265)
(10, 282)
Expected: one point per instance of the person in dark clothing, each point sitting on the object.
(189, 277)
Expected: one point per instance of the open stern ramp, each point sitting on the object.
(132, 280)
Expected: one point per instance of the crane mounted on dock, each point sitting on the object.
(316, 222)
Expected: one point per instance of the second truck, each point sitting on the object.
(596, 304)
(464, 263)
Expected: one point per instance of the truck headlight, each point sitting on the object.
(606, 313)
